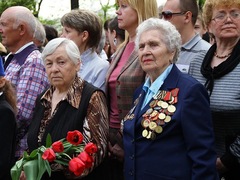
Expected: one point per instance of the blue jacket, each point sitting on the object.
(185, 148)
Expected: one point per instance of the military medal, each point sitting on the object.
(162, 107)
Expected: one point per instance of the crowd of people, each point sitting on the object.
(155, 88)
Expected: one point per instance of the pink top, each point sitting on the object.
(114, 115)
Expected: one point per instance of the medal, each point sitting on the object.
(145, 133)
(162, 107)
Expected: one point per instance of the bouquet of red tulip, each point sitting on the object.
(70, 152)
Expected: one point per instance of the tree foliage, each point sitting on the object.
(105, 7)
(201, 3)
(33, 5)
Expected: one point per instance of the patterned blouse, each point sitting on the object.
(95, 127)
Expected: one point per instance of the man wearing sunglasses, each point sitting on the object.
(183, 14)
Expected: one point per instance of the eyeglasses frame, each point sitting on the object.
(172, 14)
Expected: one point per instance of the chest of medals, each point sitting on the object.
(162, 107)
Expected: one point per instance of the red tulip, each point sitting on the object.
(58, 147)
(86, 158)
(90, 148)
(49, 155)
(76, 166)
(74, 137)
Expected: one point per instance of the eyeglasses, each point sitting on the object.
(167, 15)
(222, 16)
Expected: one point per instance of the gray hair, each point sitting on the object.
(70, 47)
(23, 14)
(170, 35)
(39, 32)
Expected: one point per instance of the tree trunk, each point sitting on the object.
(74, 4)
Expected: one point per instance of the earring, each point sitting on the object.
(115, 41)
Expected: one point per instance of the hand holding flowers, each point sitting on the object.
(67, 152)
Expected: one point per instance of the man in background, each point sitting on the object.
(183, 14)
(23, 66)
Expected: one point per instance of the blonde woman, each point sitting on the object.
(125, 74)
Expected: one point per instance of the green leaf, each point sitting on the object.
(33, 154)
(41, 167)
(31, 169)
(48, 141)
(25, 155)
(41, 149)
(19, 163)
(47, 166)
(65, 163)
(16, 171)
(67, 148)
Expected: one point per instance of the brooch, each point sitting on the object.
(130, 115)
(162, 107)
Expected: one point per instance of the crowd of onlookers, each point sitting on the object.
(155, 88)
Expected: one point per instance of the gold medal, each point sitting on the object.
(153, 103)
(145, 133)
(152, 125)
(145, 123)
(164, 105)
(153, 136)
(154, 113)
(171, 108)
(167, 119)
(158, 129)
(161, 116)
(159, 103)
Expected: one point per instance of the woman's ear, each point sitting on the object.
(78, 65)
(114, 33)
(2, 81)
(85, 36)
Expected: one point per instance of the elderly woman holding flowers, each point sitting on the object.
(69, 104)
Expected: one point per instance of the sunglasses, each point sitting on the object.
(167, 15)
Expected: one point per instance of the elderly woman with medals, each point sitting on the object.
(168, 132)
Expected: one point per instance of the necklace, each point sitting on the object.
(222, 57)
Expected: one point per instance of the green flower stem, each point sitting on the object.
(66, 155)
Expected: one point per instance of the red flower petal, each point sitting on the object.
(49, 155)
(74, 137)
(57, 147)
(90, 148)
(86, 158)
(76, 166)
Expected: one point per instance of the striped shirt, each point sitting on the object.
(30, 79)
(95, 127)
(224, 103)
